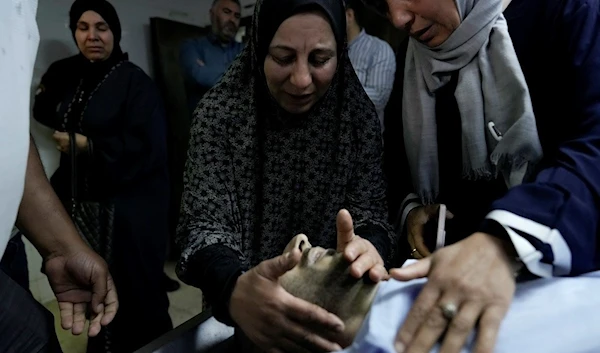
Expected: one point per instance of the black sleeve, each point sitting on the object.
(216, 269)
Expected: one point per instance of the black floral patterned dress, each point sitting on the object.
(256, 176)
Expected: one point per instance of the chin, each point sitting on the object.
(297, 109)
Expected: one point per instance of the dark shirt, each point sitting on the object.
(558, 46)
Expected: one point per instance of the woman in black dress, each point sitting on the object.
(115, 112)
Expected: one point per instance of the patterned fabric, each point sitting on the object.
(256, 176)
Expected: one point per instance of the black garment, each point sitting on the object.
(256, 175)
(126, 165)
(25, 325)
(14, 261)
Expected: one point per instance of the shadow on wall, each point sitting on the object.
(53, 50)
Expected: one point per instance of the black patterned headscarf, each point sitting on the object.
(253, 181)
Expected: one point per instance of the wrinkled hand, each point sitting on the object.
(475, 275)
(62, 142)
(415, 221)
(275, 320)
(83, 286)
(360, 252)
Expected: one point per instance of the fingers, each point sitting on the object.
(418, 314)
(419, 244)
(460, 327)
(274, 268)
(79, 319)
(99, 282)
(430, 328)
(289, 345)
(66, 315)
(365, 262)
(308, 341)
(95, 325)
(311, 315)
(111, 303)
(418, 270)
(378, 273)
(489, 324)
(345, 229)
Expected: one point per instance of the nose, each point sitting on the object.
(399, 15)
(92, 34)
(301, 77)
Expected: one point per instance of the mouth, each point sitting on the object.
(300, 98)
(313, 255)
(423, 35)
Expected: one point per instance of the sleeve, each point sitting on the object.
(48, 96)
(380, 77)
(366, 198)
(209, 230)
(553, 221)
(205, 75)
(121, 157)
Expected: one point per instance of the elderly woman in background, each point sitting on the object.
(284, 141)
(488, 86)
(113, 109)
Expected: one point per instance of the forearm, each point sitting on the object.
(42, 217)
(215, 270)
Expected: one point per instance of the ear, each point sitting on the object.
(299, 242)
(350, 13)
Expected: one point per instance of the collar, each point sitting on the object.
(358, 37)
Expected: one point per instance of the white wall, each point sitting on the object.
(56, 42)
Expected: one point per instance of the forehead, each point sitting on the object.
(91, 17)
(305, 30)
(228, 4)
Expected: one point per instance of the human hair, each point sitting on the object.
(359, 9)
(234, 1)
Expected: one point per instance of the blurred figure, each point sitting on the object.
(204, 60)
(372, 58)
(117, 160)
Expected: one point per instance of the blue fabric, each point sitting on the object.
(375, 65)
(554, 315)
(566, 97)
(216, 58)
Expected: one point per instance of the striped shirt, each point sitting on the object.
(375, 65)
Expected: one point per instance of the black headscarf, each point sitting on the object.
(95, 71)
(251, 181)
(273, 13)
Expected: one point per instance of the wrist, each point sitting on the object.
(506, 251)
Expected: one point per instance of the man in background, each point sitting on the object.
(204, 60)
(372, 58)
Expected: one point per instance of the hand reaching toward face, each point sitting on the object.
(360, 252)
(472, 279)
(275, 320)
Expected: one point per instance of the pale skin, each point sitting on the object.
(95, 41)
(475, 274)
